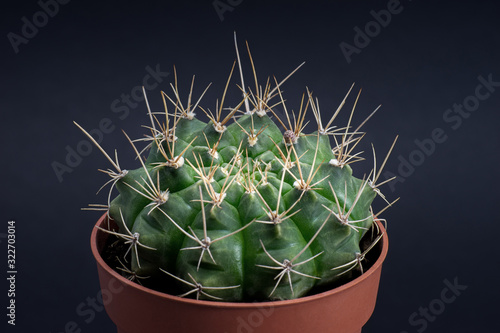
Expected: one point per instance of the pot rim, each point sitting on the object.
(241, 305)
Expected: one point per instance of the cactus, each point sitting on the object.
(246, 206)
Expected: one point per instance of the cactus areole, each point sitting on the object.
(245, 206)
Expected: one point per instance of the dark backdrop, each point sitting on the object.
(421, 63)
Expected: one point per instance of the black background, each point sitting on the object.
(427, 58)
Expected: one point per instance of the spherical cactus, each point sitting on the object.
(246, 206)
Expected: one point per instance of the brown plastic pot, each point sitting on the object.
(136, 309)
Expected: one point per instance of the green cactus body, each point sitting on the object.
(249, 220)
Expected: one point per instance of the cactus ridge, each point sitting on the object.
(237, 209)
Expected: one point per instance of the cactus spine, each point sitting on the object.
(239, 209)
